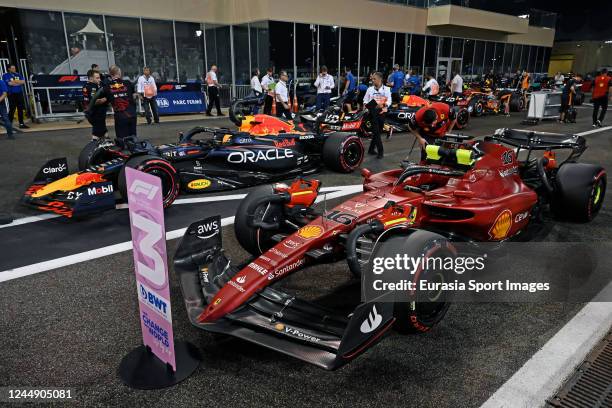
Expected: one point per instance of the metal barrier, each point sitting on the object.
(43, 102)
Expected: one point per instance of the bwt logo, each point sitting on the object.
(100, 190)
(153, 300)
(146, 189)
(163, 103)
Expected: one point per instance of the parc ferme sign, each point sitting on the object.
(150, 261)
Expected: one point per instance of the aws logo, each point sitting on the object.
(199, 184)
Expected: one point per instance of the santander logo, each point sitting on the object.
(372, 322)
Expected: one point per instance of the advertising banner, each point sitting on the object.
(150, 262)
(173, 98)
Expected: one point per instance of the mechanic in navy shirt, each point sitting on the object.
(96, 114)
(3, 115)
(396, 82)
(15, 83)
(121, 95)
(350, 88)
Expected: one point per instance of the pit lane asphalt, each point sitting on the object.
(70, 327)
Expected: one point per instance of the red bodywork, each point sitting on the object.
(489, 202)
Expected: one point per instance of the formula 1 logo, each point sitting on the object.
(372, 322)
(146, 189)
(163, 102)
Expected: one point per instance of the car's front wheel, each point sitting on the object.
(155, 166)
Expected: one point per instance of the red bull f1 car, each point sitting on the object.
(489, 190)
(222, 160)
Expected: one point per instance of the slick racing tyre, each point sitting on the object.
(93, 154)
(157, 167)
(516, 103)
(579, 191)
(463, 118)
(429, 307)
(478, 108)
(342, 152)
(257, 240)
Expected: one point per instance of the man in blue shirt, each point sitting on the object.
(15, 83)
(350, 88)
(3, 115)
(396, 82)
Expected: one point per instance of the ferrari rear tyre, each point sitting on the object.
(157, 167)
(343, 152)
(256, 240)
(463, 118)
(92, 154)
(478, 109)
(580, 189)
(429, 308)
(516, 103)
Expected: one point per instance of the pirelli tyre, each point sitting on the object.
(478, 108)
(158, 167)
(517, 103)
(579, 191)
(428, 307)
(343, 152)
(92, 154)
(252, 210)
(463, 118)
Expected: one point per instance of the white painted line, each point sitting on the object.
(544, 373)
(126, 246)
(27, 220)
(589, 132)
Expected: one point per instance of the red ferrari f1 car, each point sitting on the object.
(467, 190)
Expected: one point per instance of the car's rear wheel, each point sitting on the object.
(252, 209)
(580, 189)
(428, 307)
(158, 167)
(516, 103)
(343, 152)
(463, 118)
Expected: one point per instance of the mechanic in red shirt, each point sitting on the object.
(601, 92)
(431, 122)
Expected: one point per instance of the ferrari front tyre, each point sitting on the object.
(463, 118)
(251, 210)
(157, 167)
(343, 152)
(579, 191)
(478, 109)
(428, 307)
(92, 154)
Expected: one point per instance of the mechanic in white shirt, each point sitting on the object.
(213, 91)
(267, 85)
(147, 89)
(431, 87)
(324, 84)
(256, 89)
(457, 85)
(282, 97)
(377, 100)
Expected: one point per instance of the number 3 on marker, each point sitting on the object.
(157, 274)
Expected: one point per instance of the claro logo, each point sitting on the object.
(51, 170)
(260, 155)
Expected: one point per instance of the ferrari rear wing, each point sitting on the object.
(271, 318)
(532, 140)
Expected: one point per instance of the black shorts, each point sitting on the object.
(98, 124)
(564, 104)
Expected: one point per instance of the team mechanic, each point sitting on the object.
(96, 113)
(431, 122)
(377, 100)
(122, 96)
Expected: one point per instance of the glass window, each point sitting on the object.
(516, 57)
(86, 41)
(530, 57)
(401, 57)
(385, 52)
(444, 49)
(417, 50)
(45, 44)
(367, 60)
(431, 48)
(457, 50)
(479, 52)
(498, 58)
(546, 60)
(349, 48)
(468, 58)
(508, 52)
(489, 55)
(328, 50)
(281, 46)
(306, 51)
(242, 66)
(218, 51)
(190, 49)
(260, 56)
(124, 45)
(158, 39)
(524, 57)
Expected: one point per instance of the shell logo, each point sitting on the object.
(501, 226)
(310, 231)
(199, 184)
